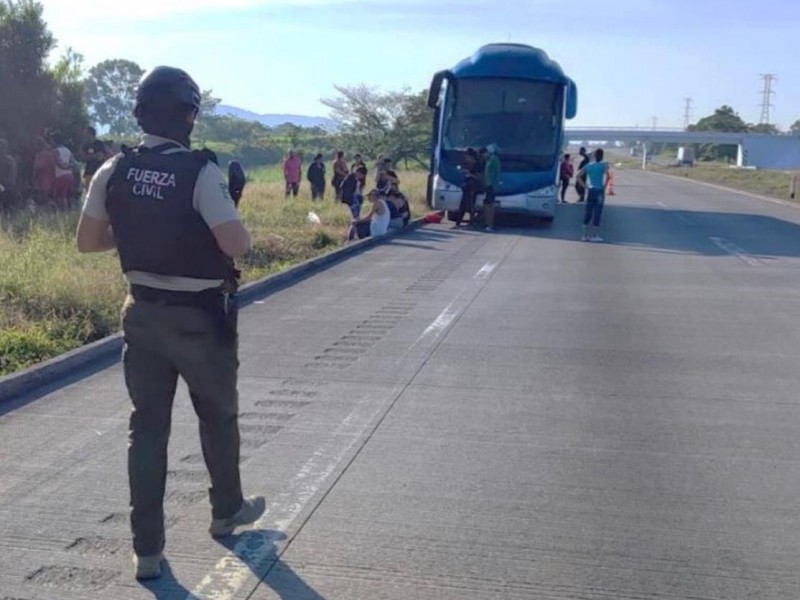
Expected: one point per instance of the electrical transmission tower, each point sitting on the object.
(654, 121)
(766, 96)
(687, 112)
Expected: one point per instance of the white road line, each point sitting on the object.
(254, 553)
(441, 322)
(735, 250)
(451, 312)
(485, 271)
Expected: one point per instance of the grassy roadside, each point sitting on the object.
(765, 182)
(53, 299)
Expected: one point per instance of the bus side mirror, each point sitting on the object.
(436, 87)
(572, 99)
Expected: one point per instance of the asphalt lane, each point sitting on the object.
(460, 415)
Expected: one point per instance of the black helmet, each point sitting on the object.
(167, 87)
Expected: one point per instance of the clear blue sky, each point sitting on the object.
(631, 59)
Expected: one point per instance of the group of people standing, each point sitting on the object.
(481, 169)
(389, 208)
(49, 174)
(591, 182)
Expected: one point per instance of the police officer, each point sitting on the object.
(168, 212)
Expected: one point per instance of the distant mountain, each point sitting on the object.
(271, 120)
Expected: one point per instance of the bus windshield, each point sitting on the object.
(522, 117)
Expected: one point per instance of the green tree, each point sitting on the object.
(411, 137)
(71, 116)
(26, 86)
(794, 128)
(765, 128)
(69, 68)
(208, 104)
(373, 122)
(111, 93)
(724, 119)
(206, 117)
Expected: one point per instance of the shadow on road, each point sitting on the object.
(679, 231)
(407, 244)
(97, 366)
(167, 586)
(258, 550)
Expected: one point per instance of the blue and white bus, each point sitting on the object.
(510, 95)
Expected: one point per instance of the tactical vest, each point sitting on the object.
(156, 227)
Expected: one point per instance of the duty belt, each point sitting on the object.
(175, 298)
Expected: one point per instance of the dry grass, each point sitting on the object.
(53, 299)
(758, 181)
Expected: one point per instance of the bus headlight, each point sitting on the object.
(440, 185)
(545, 192)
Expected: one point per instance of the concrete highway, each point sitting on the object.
(456, 415)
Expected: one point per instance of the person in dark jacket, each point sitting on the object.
(358, 162)
(8, 176)
(316, 177)
(350, 191)
(399, 210)
(340, 171)
(565, 172)
(580, 180)
(472, 171)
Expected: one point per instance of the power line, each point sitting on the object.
(766, 96)
(687, 112)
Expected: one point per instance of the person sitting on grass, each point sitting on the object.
(398, 208)
(395, 220)
(390, 181)
(375, 223)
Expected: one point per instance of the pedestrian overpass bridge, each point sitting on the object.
(760, 150)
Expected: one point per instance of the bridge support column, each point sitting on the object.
(644, 156)
(740, 155)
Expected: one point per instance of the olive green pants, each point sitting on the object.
(161, 343)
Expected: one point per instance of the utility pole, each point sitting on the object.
(687, 112)
(766, 96)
